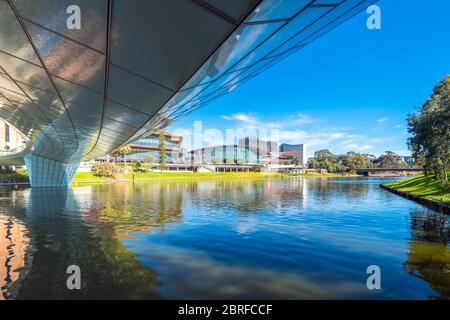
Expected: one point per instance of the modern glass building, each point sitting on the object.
(298, 149)
(148, 149)
(226, 154)
(133, 66)
(263, 148)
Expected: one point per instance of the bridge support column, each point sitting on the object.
(45, 172)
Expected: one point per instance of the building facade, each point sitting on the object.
(10, 138)
(283, 158)
(262, 148)
(299, 149)
(409, 160)
(148, 149)
(226, 154)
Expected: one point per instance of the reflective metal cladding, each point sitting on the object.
(135, 66)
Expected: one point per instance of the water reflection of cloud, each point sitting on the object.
(246, 225)
(188, 274)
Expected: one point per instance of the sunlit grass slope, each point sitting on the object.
(424, 186)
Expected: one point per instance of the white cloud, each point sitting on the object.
(302, 128)
(321, 138)
(301, 119)
(365, 147)
(398, 126)
(403, 152)
(382, 120)
(295, 129)
(288, 122)
(242, 117)
(355, 144)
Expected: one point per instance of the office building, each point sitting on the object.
(299, 149)
(148, 149)
(262, 148)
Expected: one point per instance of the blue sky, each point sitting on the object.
(351, 89)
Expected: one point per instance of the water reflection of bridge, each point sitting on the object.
(45, 231)
(52, 228)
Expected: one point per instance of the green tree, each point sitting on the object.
(137, 166)
(325, 159)
(388, 160)
(371, 159)
(106, 169)
(430, 132)
(354, 160)
(162, 152)
(313, 163)
(122, 151)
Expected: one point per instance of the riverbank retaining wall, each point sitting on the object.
(435, 205)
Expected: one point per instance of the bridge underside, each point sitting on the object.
(136, 66)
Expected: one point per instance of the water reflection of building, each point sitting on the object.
(142, 207)
(288, 192)
(62, 234)
(251, 195)
(13, 248)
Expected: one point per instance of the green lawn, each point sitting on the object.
(88, 176)
(91, 177)
(424, 186)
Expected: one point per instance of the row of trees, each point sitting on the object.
(430, 132)
(352, 160)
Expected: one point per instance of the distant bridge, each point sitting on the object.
(369, 171)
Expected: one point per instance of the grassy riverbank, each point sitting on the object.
(424, 186)
(21, 176)
(142, 176)
(90, 177)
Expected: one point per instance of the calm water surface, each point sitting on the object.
(297, 238)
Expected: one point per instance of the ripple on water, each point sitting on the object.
(298, 238)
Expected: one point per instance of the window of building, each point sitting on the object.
(6, 133)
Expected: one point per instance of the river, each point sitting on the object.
(300, 238)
